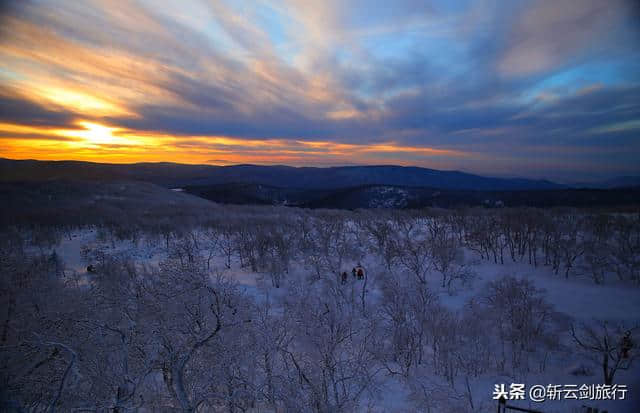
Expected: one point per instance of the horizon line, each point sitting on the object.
(213, 165)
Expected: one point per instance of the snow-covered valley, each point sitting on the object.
(252, 313)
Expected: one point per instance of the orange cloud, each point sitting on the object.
(91, 140)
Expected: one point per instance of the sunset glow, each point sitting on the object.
(455, 85)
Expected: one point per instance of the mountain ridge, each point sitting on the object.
(170, 174)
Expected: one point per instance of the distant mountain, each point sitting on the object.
(35, 190)
(617, 182)
(180, 175)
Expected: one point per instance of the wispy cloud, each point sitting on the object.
(476, 86)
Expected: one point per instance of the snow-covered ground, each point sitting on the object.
(575, 297)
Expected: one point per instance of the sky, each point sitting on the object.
(539, 89)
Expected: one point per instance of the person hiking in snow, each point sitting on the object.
(344, 277)
(360, 272)
(354, 272)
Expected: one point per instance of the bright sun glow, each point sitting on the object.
(96, 134)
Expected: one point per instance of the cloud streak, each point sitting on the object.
(517, 88)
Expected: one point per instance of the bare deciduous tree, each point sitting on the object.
(604, 342)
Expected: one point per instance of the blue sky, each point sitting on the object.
(544, 89)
